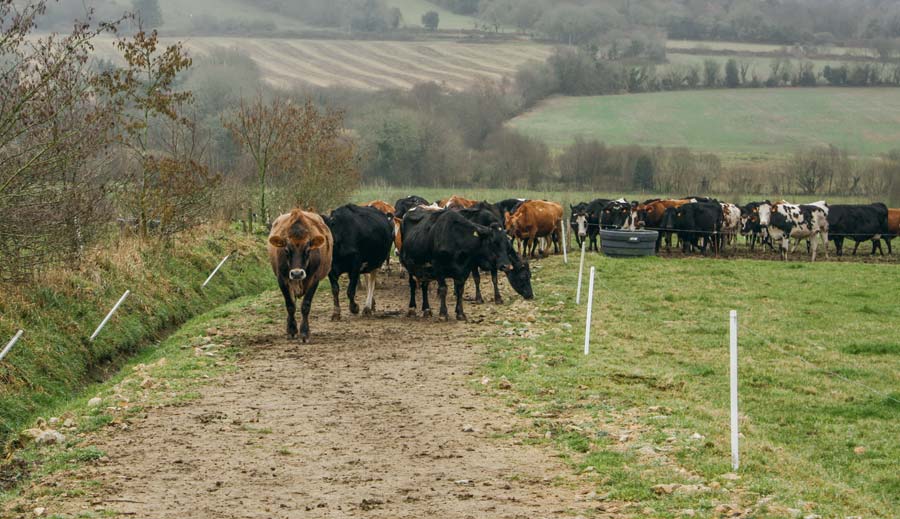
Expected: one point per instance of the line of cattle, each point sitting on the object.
(456, 237)
(703, 223)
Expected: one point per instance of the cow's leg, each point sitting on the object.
(813, 246)
(304, 310)
(459, 286)
(336, 295)
(351, 291)
(556, 243)
(476, 278)
(291, 307)
(426, 308)
(443, 315)
(877, 243)
(412, 297)
(369, 309)
(785, 245)
(824, 237)
(498, 299)
(856, 247)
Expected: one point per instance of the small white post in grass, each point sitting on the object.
(11, 343)
(565, 249)
(110, 314)
(587, 324)
(580, 274)
(215, 270)
(735, 459)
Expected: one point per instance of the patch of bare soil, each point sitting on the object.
(374, 418)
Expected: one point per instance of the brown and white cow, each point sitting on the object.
(390, 212)
(458, 202)
(533, 220)
(731, 225)
(650, 215)
(300, 248)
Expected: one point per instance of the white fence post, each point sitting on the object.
(215, 270)
(580, 273)
(11, 343)
(110, 314)
(565, 249)
(735, 458)
(590, 306)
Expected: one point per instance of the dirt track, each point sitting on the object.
(369, 420)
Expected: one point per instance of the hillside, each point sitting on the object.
(370, 64)
(767, 121)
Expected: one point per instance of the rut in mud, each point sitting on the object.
(374, 418)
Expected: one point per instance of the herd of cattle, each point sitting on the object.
(456, 237)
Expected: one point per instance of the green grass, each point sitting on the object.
(60, 310)
(658, 370)
(865, 121)
(414, 9)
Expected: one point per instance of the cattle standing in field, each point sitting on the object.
(405, 204)
(579, 221)
(615, 214)
(441, 245)
(362, 243)
(533, 220)
(594, 212)
(808, 221)
(519, 276)
(300, 248)
(694, 222)
(893, 227)
(650, 215)
(751, 226)
(859, 223)
(731, 225)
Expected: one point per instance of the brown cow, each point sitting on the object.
(382, 206)
(893, 227)
(300, 247)
(458, 202)
(650, 215)
(533, 220)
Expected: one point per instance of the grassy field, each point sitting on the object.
(695, 45)
(370, 65)
(649, 405)
(761, 67)
(864, 121)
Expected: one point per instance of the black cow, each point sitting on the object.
(509, 206)
(859, 223)
(405, 204)
(578, 222)
(594, 211)
(441, 245)
(693, 222)
(519, 276)
(615, 214)
(362, 243)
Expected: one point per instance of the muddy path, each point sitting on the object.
(377, 417)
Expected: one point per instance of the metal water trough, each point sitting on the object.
(628, 244)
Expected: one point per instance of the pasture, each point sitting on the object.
(649, 405)
(369, 65)
(761, 122)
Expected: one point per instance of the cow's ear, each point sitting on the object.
(316, 242)
(277, 241)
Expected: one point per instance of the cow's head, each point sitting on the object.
(512, 224)
(295, 243)
(519, 276)
(615, 214)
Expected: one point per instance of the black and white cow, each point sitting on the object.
(442, 245)
(362, 243)
(751, 227)
(579, 221)
(616, 214)
(594, 212)
(859, 223)
(801, 222)
(519, 276)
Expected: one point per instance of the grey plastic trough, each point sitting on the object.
(628, 244)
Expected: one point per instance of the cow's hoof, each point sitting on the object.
(354, 308)
(368, 311)
(443, 318)
(479, 301)
(335, 316)
(411, 312)
(461, 317)
(426, 312)
(498, 300)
